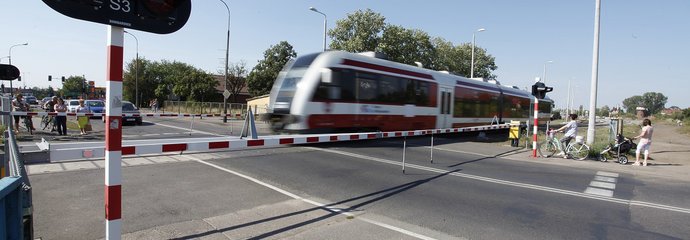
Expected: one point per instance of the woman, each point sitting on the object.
(61, 121)
(570, 130)
(645, 141)
(82, 121)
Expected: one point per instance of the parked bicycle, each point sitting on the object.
(577, 149)
(48, 122)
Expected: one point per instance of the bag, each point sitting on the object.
(88, 127)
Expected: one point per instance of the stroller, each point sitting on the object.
(618, 150)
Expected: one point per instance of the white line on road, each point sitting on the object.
(312, 202)
(187, 129)
(517, 184)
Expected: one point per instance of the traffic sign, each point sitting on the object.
(156, 16)
(226, 94)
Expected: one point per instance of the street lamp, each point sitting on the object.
(544, 76)
(136, 71)
(472, 64)
(325, 24)
(225, 77)
(10, 59)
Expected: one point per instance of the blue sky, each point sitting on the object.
(643, 44)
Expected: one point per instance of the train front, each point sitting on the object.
(291, 81)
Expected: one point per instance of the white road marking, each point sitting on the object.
(312, 202)
(517, 184)
(605, 179)
(187, 129)
(605, 185)
(607, 174)
(599, 191)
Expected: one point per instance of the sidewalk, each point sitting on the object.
(669, 156)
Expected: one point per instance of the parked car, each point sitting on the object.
(95, 106)
(127, 108)
(72, 105)
(31, 100)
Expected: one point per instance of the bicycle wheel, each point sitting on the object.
(578, 151)
(547, 149)
(45, 121)
(29, 128)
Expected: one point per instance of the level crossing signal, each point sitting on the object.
(156, 16)
(540, 89)
(8, 72)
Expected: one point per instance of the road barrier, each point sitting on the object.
(236, 116)
(228, 143)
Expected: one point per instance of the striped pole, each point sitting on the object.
(536, 124)
(113, 134)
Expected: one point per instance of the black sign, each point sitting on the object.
(8, 72)
(156, 16)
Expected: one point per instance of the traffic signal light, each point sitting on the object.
(50, 78)
(540, 89)
(63, 78)
(19, 78)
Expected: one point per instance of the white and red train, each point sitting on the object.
(341, 91)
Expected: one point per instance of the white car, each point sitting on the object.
(72, 105)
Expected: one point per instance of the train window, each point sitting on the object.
(367, 89)
(340, 88)
(390, 90)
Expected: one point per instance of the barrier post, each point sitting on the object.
(536, 123)
(432, 146)
(404, 150)
(113, 134)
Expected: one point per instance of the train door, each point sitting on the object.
(444, 116)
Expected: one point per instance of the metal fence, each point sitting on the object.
(209, 108)
(15, 188)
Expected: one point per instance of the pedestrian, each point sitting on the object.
(82, 121)
(50, 107)
(570, 130)
(61, 121)
(155, 105)
(18, 105)
(645, 142)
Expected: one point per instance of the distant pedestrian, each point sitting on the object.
(154, 105)
(645, 142)
(61, 121)
(82, 121)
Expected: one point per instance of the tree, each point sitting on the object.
(237, 79)
(73, 87)
(604, 111)
(261, 78)
(653, 101)
(138, 78)
(407, 46)
(360, 32)
(458, 59)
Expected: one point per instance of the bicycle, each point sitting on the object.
(29, 125)
(577, 149)
(47, 121)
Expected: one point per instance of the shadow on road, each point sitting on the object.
(377, 196)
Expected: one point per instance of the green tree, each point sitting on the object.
(407, 46)
(237, 79)
(653, 101)
(73, 87)
(261, 78)
(603, 111)
(138, 78)
(458, 59)
(361, 31)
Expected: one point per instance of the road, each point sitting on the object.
(272, 193)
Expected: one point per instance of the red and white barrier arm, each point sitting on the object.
(536, 128)
(124, 114)
(223, 143)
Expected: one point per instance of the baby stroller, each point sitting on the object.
(618, 150)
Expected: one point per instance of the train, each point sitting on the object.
(337, 91)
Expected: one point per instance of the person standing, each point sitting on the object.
(645, 142)
(61, 121)
(570, 130)
(82, 121)
(155, 105)
(50, 107)
(18, 105)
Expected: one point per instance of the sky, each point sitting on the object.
(643, 44)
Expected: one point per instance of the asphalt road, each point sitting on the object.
(465, 193)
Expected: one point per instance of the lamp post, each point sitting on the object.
(595, 75)
(473, 42)
(10, 59)
(325, 24)
(544, 76)
(225, 77)
(136, 71)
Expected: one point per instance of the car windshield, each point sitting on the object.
(128, 107)
(74, 103)
(96, 104)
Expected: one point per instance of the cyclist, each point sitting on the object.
(570, 130)
(50, 107)
(19, 105)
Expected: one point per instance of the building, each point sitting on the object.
(240, 98)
